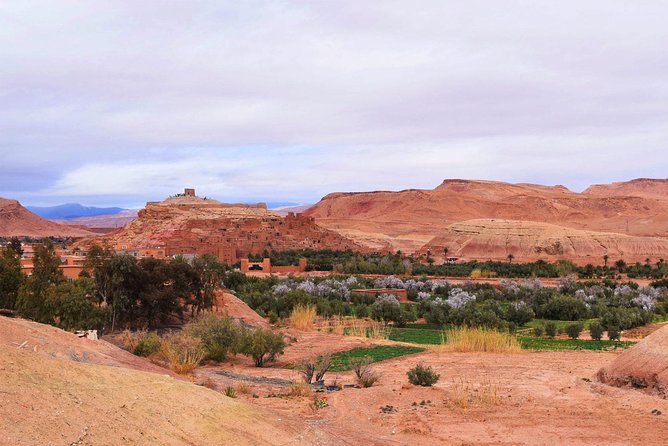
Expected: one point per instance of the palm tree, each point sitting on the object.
(510, 258)
(605, 260)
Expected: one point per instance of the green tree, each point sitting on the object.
(210, 272)
(72, 306)
(11, 277)
(32, 298)
(262, 345)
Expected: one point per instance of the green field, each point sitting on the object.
(560, 324)
(424, 326)
(570, 344)
(416, 336)
(377, 353)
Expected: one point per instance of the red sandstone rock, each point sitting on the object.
(409, 219)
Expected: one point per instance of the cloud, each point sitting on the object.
(132, 100)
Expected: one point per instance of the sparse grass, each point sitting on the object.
(230, 392)
(363, 329)
(478, 340)
(303, 317)
(182, 352)
(242, 388)
(341, 361)
(208, 383)
(570, 344)
(465, 395)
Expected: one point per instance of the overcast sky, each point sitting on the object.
(119, 102)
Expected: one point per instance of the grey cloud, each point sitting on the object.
(89, 83)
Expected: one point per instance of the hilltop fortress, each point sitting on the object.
(190, 225)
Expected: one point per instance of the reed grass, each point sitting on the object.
(466, 339)
(303, 317)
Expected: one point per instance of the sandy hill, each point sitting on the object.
(645, 366)
(53, 393)
(410, 218)
(489, 239)
(15, 220)
(192, 225)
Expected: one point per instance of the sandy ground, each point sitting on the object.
(540, 398)
(52, 396)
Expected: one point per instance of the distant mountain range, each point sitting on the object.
(70, 211)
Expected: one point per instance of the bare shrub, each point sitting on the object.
(365, 376)
(315, 367)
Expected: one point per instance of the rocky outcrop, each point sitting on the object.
(490, 239)
(15, 220)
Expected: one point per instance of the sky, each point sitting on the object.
(114, 103)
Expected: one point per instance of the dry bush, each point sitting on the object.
(364, 373)
(242, 388)
(465, 395)
(299, 389)
(478, 340)
(182, 352)
(130, 339)
(303, 317)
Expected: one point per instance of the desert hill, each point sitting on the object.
(16, 220)
(54, 390)
(411, 218)
(193, 225)
(641, 187)
(488, 239)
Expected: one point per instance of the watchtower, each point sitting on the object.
(189, 192)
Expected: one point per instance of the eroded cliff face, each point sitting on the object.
(409, 219)
(491, 239)
(191, 225)
(15, 220)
